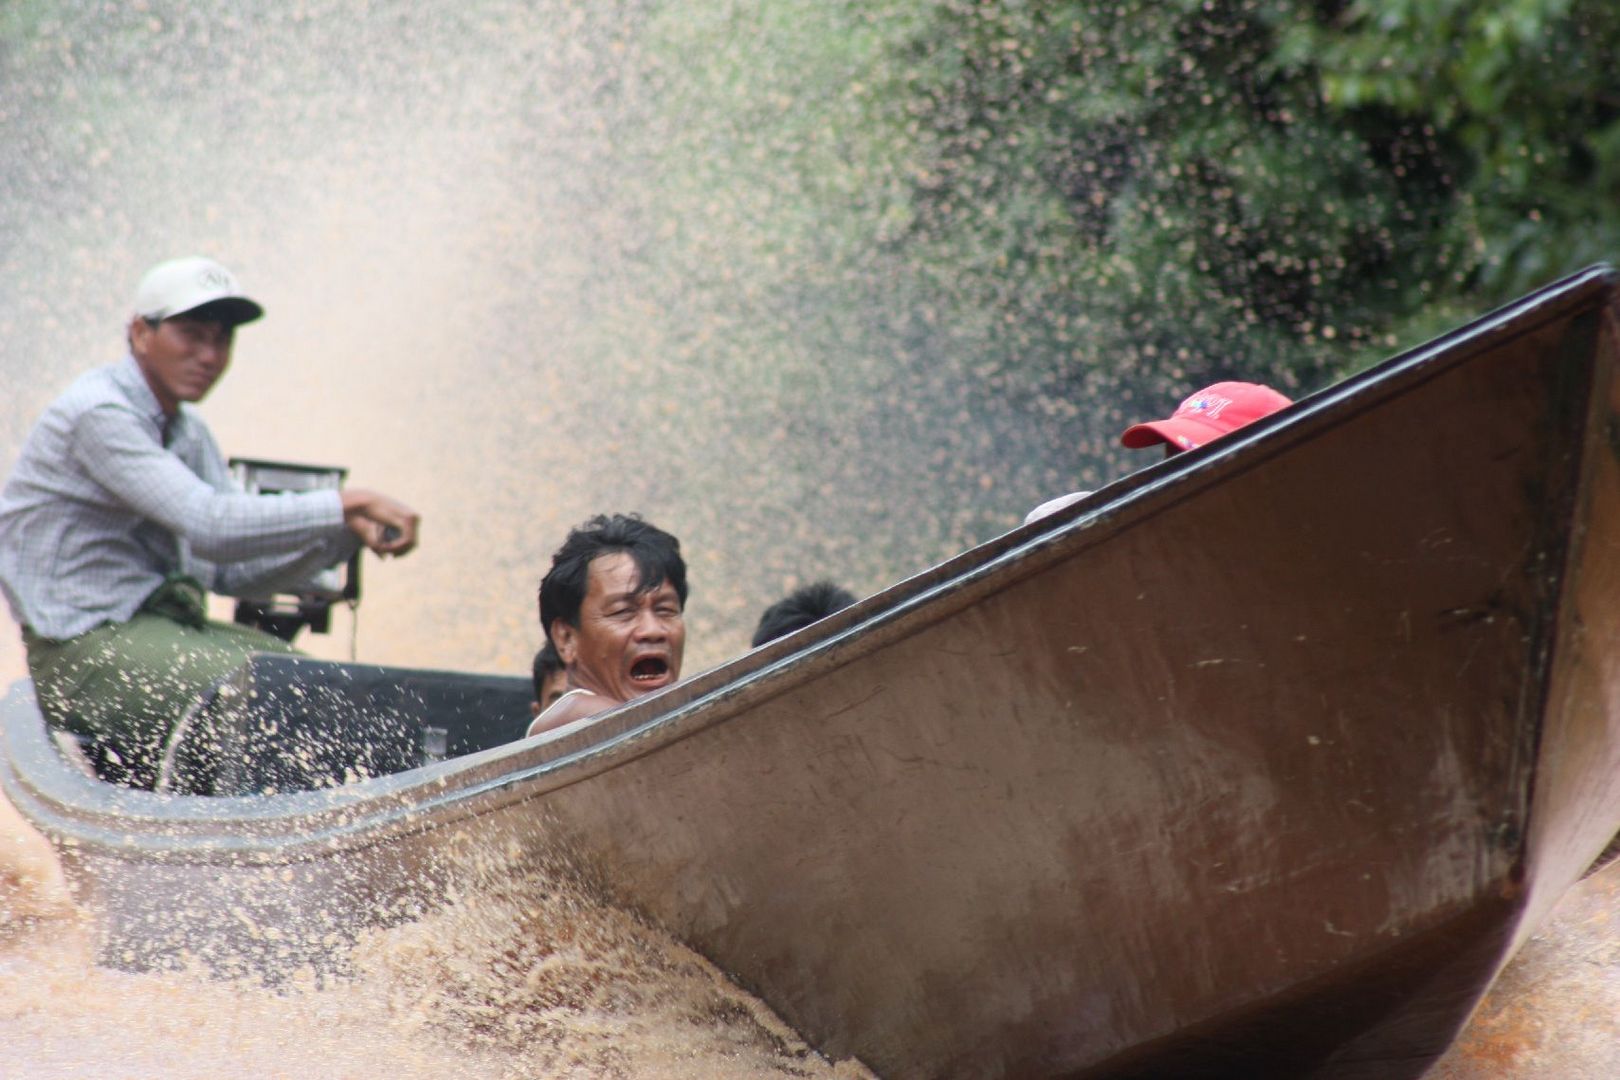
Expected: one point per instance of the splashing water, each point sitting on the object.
(521, 972)
(523, 262)
(527, 262)
(453, 217)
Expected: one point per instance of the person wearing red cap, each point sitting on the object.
(1218, 409)
(120, 516)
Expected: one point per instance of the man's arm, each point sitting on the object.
(114, 449)
(385, 525)
(273, 573)
(227, 527)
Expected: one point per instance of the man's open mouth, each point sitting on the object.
(649, 669)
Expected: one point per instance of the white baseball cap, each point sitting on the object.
(180, 285)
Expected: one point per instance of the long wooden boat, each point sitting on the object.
(1258, 762)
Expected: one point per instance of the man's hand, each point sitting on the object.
(386, 526)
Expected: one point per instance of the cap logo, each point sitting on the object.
(213, 277)
(1210, 405)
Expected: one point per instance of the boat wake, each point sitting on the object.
(520, 972)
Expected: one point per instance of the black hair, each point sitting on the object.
(656, 553)
(799, 609)
(546, 664)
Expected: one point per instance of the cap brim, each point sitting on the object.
(1184, 434)
(234, 310)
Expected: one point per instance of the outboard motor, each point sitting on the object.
(284, 614)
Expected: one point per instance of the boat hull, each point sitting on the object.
(1258, 762)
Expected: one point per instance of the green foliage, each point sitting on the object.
(1524, 96)
(1259, 187)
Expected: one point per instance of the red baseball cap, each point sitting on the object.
(1210, 413)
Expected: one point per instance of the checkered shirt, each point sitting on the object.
(98, 511)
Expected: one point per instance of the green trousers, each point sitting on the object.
(125, 684)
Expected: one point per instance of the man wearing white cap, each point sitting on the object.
(120, 516)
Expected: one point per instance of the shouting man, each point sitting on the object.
(612, 604)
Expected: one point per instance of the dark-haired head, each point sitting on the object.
(548, 670)
(799, 609)
(656, 554)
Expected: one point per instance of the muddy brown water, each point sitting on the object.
(493, 985)
(1554, 1013)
